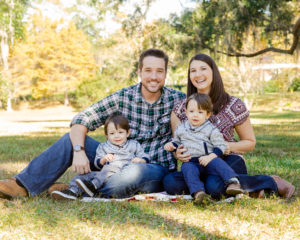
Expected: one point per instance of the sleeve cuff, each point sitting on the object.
(218, 152)
(146, 159)
(175, 144)
(98, 165)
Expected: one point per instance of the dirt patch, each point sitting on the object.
(36, 120)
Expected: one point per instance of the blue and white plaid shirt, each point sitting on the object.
(149, 123)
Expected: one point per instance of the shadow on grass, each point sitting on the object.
(150, 220)
(49, 215)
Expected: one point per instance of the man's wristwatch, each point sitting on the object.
(78, 148)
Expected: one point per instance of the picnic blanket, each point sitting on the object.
(161, 196)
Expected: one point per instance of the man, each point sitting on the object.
(147, 106)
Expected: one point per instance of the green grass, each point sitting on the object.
(277, 152)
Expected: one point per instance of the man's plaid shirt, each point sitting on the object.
(149, 123)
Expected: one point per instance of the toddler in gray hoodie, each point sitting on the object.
(206, 145)
(111, 157)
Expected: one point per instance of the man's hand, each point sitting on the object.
(138, 160)
(81, 163)
(107, 158)
(204, 160)
(169, 147)
(181, 155)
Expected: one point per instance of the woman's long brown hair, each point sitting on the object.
(217, 92)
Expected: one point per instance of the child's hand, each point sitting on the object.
(169, 147)
(138, 160)
(107, 158)
(204, 160)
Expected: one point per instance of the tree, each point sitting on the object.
(54, 58)
(11, 27)
(222, 26)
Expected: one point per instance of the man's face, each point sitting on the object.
(152, 74)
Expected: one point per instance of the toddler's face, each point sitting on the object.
(195, 115)
(116, 136)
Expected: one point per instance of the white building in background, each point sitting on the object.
(271, 68)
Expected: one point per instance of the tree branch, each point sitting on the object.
(295, 32)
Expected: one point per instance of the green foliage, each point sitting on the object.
(295, 86)
(18, 12)
(225, 25)
(3, 92)
(93, 90)
(271, 87)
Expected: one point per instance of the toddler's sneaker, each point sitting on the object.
(234, 188)
(87, 187)
(64, 195)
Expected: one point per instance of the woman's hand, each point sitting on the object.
(227, 150)
(204, 160)
(181, 155)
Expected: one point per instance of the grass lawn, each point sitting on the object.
(277, 152)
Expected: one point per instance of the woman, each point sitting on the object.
(229, 114)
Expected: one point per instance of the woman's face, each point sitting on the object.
(201, 76)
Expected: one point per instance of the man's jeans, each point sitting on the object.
(46, 168)
(174, 182)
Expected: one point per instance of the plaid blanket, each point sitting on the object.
(162, 196)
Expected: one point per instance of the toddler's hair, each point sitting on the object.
(203, 101)
(119, 120)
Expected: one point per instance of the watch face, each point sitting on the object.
(77, 148)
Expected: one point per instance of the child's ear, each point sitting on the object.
(128, 133)
(208, 115)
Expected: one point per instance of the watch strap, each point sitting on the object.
(78, 148)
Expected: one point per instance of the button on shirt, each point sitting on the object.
(149, 123)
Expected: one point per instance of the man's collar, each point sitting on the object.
(139, 97)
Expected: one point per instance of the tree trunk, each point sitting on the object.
(8, 103)
(66, 103)
(6, 37)
(5, 73)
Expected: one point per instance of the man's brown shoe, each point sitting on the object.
(10, 189)
(58, 186)
(285, 189)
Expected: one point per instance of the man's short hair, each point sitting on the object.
(153, 53)
(118, 120)
(203, 101)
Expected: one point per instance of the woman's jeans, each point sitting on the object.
(174, 182)
(46, 168)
